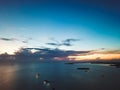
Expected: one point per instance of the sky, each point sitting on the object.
(78, 25)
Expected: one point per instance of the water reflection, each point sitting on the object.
(37, 75)
(58, 76)
(7, 76)
(46, 83)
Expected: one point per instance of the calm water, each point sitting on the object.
(61, 76)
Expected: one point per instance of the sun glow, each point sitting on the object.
(10, 47)
(96, 56)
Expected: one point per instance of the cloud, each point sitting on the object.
(14, 39)
(27, 40)
(47, 53)
(108, 52)
(54, 44)
(8, 39)
(67, 42)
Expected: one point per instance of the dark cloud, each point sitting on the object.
(47, 53)
(14, 39)
(27, 40)
(8, 39)
(103, 48)
(54, 44)
(67, 42)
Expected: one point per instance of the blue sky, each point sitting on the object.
(95, 22)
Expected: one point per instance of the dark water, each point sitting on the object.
(61, 76)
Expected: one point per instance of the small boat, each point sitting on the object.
(69, 63)
(83, 68)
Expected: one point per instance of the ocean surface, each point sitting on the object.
(58, 76)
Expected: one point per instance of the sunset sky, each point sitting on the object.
(78, 25)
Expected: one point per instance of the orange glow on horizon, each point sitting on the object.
(96, 56)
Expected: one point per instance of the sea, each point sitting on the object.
(58, 76)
